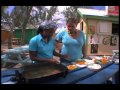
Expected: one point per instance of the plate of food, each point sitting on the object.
(72, 67)
(89, 61)
(81, 64)
(94, 66)
(84, 65)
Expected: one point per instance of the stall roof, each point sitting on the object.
(97, 14)
(108, 18)
(92, 12)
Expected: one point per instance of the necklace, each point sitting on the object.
(74, 35)
(72, 32)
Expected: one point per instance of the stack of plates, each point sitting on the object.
(89, 61)
(116, 61)
(94, 66)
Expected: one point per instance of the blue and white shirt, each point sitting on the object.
(44, 50)
(71, 46)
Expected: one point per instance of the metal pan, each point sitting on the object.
(38, 73)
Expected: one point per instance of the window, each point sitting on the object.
(103, 27)
(115, 29)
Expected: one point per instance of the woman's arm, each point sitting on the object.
(56, 54)
(58, 45)
(59, 55)
(84, 51)
(84, 46)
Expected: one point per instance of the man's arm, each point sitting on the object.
(33, 56)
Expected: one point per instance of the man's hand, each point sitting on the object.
(65, 56)
(55, 61)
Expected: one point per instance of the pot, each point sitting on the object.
(38, 73)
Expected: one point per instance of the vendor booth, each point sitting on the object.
(101, 29)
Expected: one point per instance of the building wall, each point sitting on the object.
(100, 35)
(4, 36)
(29, 33)
(79, 26)
(103, 49)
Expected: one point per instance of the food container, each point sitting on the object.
(38, 73)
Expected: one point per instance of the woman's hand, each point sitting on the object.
(85, 56)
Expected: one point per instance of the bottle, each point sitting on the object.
(104, 60)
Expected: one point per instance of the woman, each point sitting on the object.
(42, 46)
(73, 41)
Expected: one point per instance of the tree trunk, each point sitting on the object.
(25, 24)
(9, 41)
(23, 36)
(10, 38)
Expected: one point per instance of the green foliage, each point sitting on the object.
(3, 9)
(43, 14)
(72, 11)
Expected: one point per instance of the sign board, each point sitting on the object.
(112, 10)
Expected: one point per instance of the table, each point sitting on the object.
(86, 76)
(16, 41)
(101, 76)
(16, 53)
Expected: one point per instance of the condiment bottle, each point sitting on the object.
(104, 60)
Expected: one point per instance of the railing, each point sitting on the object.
(16, 55)
(16, 41)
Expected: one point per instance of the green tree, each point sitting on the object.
(3, 9)
(71, 11)
(24, 20)
(7, 21)
(42, 14)
(21, 17)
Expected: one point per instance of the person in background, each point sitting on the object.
(42, 46)
(73, 41)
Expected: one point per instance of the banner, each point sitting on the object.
(113, 10)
